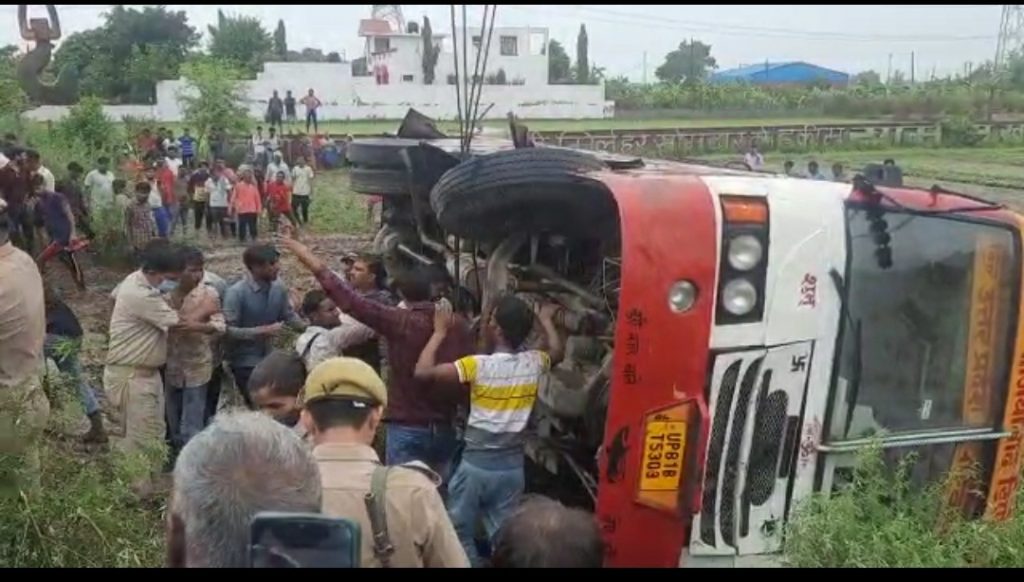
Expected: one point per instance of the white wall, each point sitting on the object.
(348, 98)
(528, 64)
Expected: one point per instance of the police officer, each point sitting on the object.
(399, 509)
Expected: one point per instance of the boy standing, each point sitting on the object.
(181, 187)
(279, 202)
(218, 192)
(302, 189)
(289, 107)
(139, 225)
(503, 387)
(188, 149)
(197, 192)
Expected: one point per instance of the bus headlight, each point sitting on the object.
(682, 296)
(739, 297)
(745, 252)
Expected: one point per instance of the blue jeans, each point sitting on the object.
(435, 446)
(162, 218)
(64, 352)
(489, 494)
(186, 412)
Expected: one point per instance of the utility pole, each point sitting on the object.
(1011, 33)
(645, 67)
(693, 64)
(888, 73)
(912, 68)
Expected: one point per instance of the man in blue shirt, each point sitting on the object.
(188, 149)
(256, 309)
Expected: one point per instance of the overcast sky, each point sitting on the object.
(846, 37)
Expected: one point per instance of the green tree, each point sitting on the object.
(146, 68)
(867, 79)
(280, 42)
(332, 57)
(8, 61)
(559, 64)
(241, 40)
(582, 58)
(308, 55)
(104, 55)
(690, 63)
(430, 52)
(213, 96)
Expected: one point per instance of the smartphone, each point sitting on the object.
(299, 540)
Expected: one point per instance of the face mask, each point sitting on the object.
(168, 286)
(290, 419)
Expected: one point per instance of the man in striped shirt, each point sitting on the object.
(502, 390)
(187, 143)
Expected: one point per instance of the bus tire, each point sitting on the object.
(530, 189)
(379, 152)
(378, 182)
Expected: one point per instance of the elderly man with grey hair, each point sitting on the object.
(242, 464)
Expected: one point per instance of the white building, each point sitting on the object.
(516, 80)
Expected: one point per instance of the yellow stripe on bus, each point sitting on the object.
(982, 344)
(1006, 473)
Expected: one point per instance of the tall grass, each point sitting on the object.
(881, 521)
(926, 100)
(83, 512)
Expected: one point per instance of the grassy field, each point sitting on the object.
(372, 127)
(993, 173)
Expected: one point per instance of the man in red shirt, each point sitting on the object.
(422, 415)
(279, 201)
(165, 179)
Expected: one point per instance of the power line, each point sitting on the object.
(616, 17)
(1011, 33)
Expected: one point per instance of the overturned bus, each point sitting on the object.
(734, 338)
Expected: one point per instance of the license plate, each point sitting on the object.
(664, 452)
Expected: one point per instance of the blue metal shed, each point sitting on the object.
(790, 73)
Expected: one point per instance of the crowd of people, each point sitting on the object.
(753, 159)
(375, 356)
(170, 191)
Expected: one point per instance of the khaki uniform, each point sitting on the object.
(138, 347)
(417, 523)
(24, 409)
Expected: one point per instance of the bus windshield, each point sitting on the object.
(926, 342)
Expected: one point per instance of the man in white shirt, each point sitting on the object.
(276, 165)
(35, 166)
(218, 190)
(259, 150)
(273, 142)
(754, 159)
(99, 184)
(302, 189)
(330, 332)
(172, 160)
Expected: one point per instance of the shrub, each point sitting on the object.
(880, 520)
(960, 132)
(87, 125)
